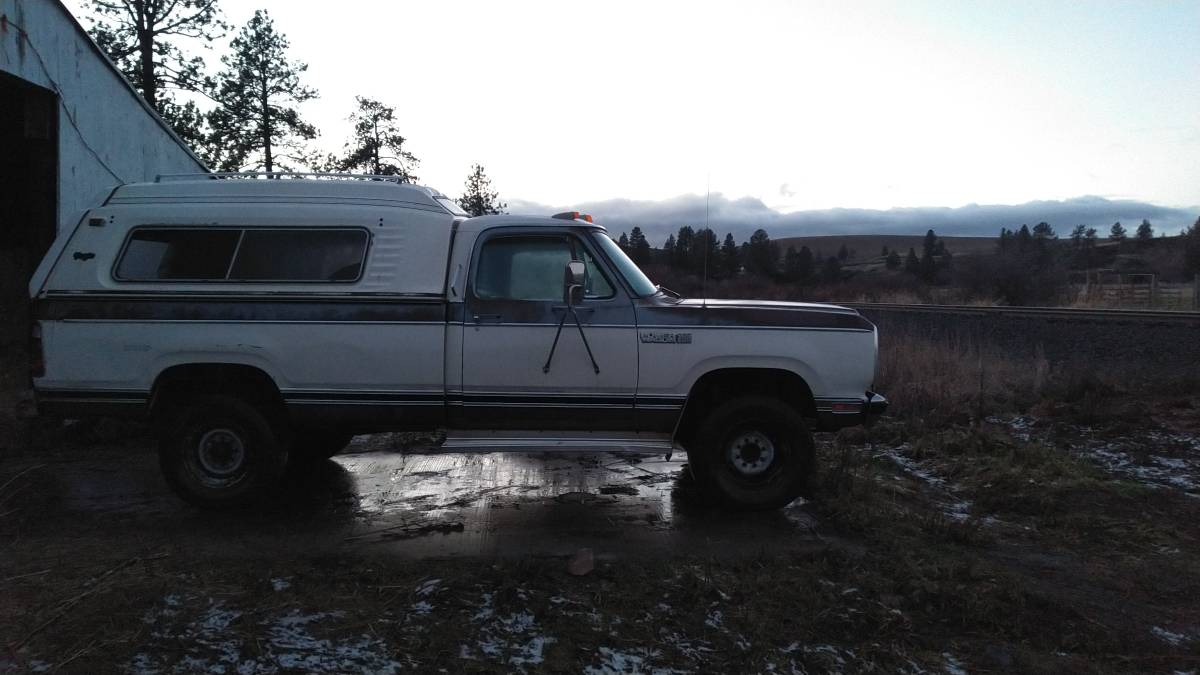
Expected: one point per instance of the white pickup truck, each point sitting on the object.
(255, 320)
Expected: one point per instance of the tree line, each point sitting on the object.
(253, 119)
(696, 251)
(1028, 265)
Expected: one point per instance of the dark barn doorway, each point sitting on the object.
(28, 214)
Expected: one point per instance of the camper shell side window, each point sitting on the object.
(243, 254)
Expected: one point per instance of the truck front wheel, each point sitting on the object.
(752, 453)
(220, 451)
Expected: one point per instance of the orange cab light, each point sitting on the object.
(567, 215)
(586, 216)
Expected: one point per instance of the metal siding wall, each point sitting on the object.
(111, 118)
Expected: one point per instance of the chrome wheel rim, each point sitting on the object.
(751, 453)
(221, 452)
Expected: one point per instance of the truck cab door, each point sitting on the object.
(513, 308)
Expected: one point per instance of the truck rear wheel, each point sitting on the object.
(752, 453)
(220, 451)
(314, 445)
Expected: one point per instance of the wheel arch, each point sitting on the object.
(246, 382)
(722, 384)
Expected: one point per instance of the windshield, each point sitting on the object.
(641, 284)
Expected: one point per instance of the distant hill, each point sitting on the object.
(868, 246)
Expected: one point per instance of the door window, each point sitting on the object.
(531, 268)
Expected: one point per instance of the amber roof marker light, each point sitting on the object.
(574, 215)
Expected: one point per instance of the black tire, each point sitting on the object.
(220, 451)
(314, 445)
(752, 453)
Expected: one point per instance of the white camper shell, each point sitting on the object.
(261, 318)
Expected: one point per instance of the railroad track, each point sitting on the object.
(1054, 313)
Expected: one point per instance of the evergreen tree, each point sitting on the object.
(932, 247)
(929, 243)
(1117, 233)
(478, 198)
(761, 254)
(258, 91)
(140, 37)
(893, 261)
(843, 253)
(831, 271)
(705, 254)
(668, 250)
(1145, 232)
(1077, 236)
(1024, 239)
(683, 247)
(912, 264)
(807, 267)
(730, 262)
(791, 264)
(1043, 230)
(1006, 239)
(884, 252)
(639, 248)
(1191, 249)
(377, 147)
(623, 242)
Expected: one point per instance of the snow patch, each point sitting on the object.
(1169, 637)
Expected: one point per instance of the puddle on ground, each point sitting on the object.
(402, 502)
(545, 503)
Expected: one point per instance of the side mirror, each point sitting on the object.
(573, 277)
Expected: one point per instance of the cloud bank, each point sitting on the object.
(742, 216)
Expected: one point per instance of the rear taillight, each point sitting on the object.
(37, 359)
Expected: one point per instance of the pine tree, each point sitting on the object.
(684, 241)
(1043, 230)
(928, 262)
(705, 254)
(912, 264)
(623, 242)
(1006, 239)
(791, 264)
(141, 39)
(668, 250)
(377, 146)
(843, 253)
(807, 267)
(1191, 249)
(478, 198)
(730, 262)
(257, 119)
(761, 254)
(1077, 236)
(1024, 239)
(884, 253)
(1145, 232)
(831, 271)
(893, 261)
(639, 248)
(1117, 232)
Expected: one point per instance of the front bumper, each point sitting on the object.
(872, 406)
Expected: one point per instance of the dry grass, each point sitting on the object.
(938, 380)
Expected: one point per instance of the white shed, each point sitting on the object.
(71, 128)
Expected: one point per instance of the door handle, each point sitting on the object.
(481, 318)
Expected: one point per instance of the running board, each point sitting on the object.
(560, 441)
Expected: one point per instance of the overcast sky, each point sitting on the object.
(800, 105)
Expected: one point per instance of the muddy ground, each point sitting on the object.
(1018, 544)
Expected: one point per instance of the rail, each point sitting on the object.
(221, 175)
